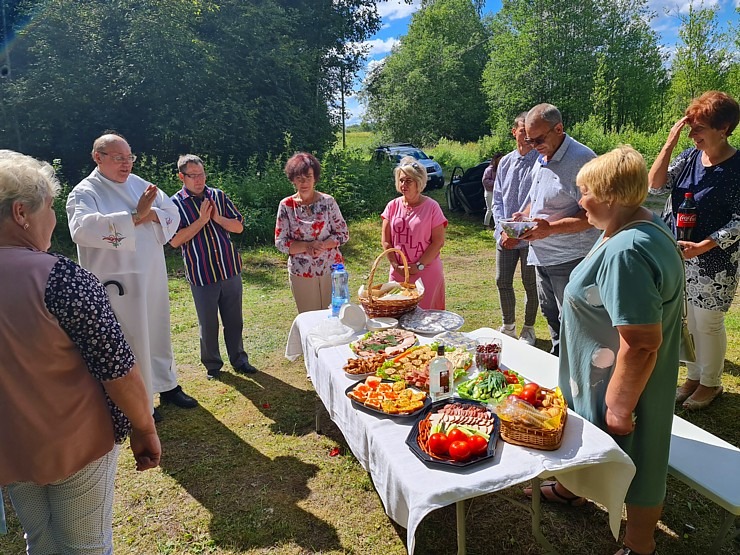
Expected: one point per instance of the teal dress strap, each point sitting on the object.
(3, 526)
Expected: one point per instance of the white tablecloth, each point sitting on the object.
(589, 462)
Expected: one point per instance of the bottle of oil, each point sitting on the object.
(440, 376)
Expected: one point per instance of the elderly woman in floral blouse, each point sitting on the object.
(711, 171)
(309, 229)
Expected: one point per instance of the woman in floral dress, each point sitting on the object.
(310, 229)
(711, 171)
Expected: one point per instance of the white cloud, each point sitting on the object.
(397, 9)
(355, 111)
(681, 6)
(380, 46)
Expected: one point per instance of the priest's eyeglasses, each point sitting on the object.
(120, 159)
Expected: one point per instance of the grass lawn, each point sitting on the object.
(246, 472)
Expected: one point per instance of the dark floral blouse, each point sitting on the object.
(711, 277)
(80, 303)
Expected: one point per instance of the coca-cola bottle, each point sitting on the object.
(686, 218)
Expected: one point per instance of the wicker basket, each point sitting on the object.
(376, 308)
(536, 438)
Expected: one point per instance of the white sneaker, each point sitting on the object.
(508, 330)
(527, 335)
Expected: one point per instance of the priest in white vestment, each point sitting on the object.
(120, 223)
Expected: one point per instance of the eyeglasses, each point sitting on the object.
(407, 181)
(194, 175)
(120, 159)
(538, 140)
(304, 178)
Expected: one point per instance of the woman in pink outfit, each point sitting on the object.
(416, 225)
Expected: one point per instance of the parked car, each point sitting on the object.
(395, 151)
(465, 189)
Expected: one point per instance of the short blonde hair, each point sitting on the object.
(411, 167)
(619, 176)
(26, 180)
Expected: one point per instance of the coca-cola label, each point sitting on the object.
(686, 219)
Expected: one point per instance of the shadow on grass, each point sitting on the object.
(732, 368)
(291, 409)
(252, 498)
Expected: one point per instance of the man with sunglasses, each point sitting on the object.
(120, 224)
(212, 265)
(562, 236)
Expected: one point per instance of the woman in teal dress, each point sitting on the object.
(620, 333)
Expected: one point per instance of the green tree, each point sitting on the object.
(589, 58)
(430, 85)
(630, 79)
(224, 77)
(543, 51)
(702, 61)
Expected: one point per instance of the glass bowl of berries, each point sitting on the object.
(488, 354)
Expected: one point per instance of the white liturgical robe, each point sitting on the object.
(110, 246)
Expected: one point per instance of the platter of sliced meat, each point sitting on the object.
(444, 425)
(390, 342)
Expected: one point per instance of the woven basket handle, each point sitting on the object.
(375, 266)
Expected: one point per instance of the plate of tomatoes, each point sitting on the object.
(455, 432)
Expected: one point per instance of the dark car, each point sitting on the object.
(465, 190)
(395, 151)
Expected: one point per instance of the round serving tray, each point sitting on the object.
(431, 321)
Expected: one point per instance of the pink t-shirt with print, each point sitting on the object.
(411, 232)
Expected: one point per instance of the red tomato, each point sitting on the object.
(456, 434)
(438, 444)
(511, 378)
(533, 386)
(460, 451)
(478, 445)
(529, 395)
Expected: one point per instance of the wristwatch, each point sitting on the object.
(135, 216)
(420, 266)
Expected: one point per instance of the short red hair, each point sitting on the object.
(300, 164)
(716, 109)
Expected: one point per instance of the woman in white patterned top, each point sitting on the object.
(309, 228)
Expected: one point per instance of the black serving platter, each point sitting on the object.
(413, 436)
(357, 404)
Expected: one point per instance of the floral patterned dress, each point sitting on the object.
(712, 277)
(318, 221)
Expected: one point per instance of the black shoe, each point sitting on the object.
(178, 398)
(245, 368)
(157, 416)
(214, 374)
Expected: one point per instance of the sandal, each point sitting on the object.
(554, 496)
(685, 391)
(692, 404)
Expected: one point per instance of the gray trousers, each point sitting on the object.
(224, 297)
(506, 262)
(551, 282)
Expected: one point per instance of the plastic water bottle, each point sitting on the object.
(440, 376)
(339, 288)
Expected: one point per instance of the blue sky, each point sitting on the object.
(396, 16)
